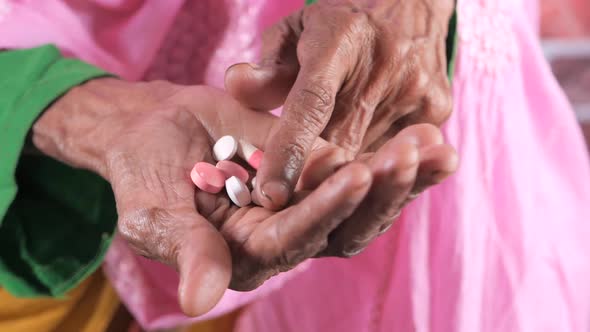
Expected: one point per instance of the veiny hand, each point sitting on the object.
(354, 72)
(145, 137)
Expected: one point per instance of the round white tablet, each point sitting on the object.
(225, 148)
(238, 192)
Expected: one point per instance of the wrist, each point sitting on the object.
(78, 127)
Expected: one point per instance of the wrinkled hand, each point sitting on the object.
(145, 137)
(354, 72)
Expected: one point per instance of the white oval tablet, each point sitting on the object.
(238, 192)
(225, 148)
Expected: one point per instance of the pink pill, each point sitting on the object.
(208, 178)
(229, 168)
(256, 159)
(250, 153)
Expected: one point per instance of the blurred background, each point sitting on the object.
(565, 29)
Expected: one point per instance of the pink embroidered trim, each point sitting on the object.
(486, 35)
(5, 9)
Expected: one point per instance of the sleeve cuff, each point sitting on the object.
(52, 233)
(31, 80)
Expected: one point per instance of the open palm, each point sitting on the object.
(339, 206)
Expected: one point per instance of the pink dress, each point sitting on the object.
(503, 245)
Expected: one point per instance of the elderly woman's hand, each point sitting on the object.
(354, 72)
(144, 139)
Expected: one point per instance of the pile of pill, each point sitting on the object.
(226, 173)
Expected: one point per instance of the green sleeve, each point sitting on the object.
(452, 38)
(55, 229)
(452, 42)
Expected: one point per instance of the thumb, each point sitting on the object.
(261, 87)
(204, 264)
(265, 86)
(186, 241)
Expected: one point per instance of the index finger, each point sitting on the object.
(302, 230)
(306, 112)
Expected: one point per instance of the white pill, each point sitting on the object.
(238, 192)
(225, 148)
(253, 181)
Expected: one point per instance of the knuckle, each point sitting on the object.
(296, 153)
(421, 81)
(317, 100)
(358, 28)
(415, 81)
(357, 16)
(312, 123)
(143, 231)
(438, 104)
(135, 227)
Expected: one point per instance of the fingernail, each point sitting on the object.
(276, 192)
(349, 252)
(255, 199)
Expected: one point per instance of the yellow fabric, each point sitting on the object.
(88, 308)
(223, 324)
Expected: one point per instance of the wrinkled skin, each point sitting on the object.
(145, 137)
(352, 72)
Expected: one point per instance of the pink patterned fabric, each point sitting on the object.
(4, 9)
(500, 246)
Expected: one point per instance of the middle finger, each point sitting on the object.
(394, 167)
